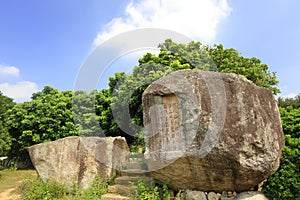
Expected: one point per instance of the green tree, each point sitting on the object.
(85, 118)
(285, 182)
(104, 110)
(127, 93)
(6, 103)
(47, 117)
(293, 102)
(231, 61)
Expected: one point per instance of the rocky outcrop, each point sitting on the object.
(211, 132)
(77, 160)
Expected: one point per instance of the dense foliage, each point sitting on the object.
(47, 117)
(157, 191)
(36, 189)
(127, 95)
(6, 103)
(285, 183)
(86, 119)
(51, 114)
(230, 61)
(117, 110)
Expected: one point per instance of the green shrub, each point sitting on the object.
(144, 192)
(97, 189)
(285, 182)
(14, 166)
(138, 143)
(36, 189)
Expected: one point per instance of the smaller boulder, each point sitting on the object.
(252, 195)
(77, 160)
(213, 196)
(195, 195)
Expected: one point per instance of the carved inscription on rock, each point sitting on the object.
(211, 132)
(166, 125)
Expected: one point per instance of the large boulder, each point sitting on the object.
(77, 160)
(211, 132)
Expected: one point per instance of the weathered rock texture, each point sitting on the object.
(211, 132)
(195, 195)
(76, 160)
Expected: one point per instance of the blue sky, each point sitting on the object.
(45, 42)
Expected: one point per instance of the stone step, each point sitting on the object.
(135, 165)
(114, 197)
(136, 173)
(138, 155)
(129, 180)
(137, 158)
(121, 190)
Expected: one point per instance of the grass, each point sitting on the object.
(36, 189)
(13, 178)
(29, 186)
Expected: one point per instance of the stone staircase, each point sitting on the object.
(125, 184)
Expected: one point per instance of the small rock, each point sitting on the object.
(140, 150)
(229, 194)
(195, 195)
(251, 195)
(182, 195)
(227, 198)
(260, 185)
(213, 196)
(224, 194)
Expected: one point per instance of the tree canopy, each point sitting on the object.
(127, 93)
(48, 116)
(6, 103)
(117, 110)
(285, 183)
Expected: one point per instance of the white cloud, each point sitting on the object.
(197, 19)
(20, 91)
(9, 71)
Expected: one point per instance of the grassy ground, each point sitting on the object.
(12, 178)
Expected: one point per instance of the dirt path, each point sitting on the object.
(10, 194)
(10, 181)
